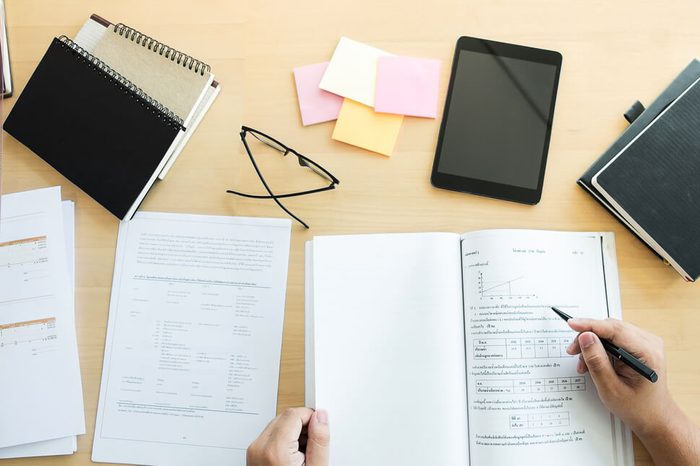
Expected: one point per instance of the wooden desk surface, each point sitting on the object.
(614, 53)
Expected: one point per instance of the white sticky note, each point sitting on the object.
(352, 72)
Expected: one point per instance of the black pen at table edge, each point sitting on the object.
(620, 354)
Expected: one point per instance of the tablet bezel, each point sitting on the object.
(480, 186)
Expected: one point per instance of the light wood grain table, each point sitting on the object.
(614, 53)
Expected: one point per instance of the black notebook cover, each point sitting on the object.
(98, 132)
(671, 93)
(656, 180)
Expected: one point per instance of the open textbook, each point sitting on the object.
(442, 349)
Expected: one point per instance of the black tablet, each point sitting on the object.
(498, 120)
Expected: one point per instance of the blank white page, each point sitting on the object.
(389, 348)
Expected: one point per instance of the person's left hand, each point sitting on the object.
(296, 437)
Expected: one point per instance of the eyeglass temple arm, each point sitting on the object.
(280, 196)
(267, 188)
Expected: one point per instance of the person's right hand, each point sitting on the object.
(647, 408)
(638, 402)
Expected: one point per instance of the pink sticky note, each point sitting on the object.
(407, 86)
(315, 105)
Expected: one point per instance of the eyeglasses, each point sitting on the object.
(284, 150)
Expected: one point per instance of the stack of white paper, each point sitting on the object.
(41, 393)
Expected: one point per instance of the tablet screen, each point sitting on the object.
(498, 121)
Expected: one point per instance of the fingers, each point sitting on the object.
(279, 442)
(288, 425)
(574, 348)
(598, 363)
(613, 330)
(581, 367)
(318, 442)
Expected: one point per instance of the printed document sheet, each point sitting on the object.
(65, 445)
(41, 393)
(194, 336)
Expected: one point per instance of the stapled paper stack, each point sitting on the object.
(41, 397)
(368, 91)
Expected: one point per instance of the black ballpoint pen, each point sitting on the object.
(620, 354)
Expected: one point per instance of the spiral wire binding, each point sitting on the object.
(160, 48)
(132, 89)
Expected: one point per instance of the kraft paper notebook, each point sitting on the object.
(441, 349)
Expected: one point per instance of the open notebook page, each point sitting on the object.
(389, 348)
(526, 400)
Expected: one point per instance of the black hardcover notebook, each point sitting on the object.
(650, 177)
(641, 121)
(93, 126)
(655, 183)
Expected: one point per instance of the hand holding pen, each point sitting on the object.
(621, 388)
(619, 353)
(647, 408)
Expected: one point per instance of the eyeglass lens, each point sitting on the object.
(269, 142)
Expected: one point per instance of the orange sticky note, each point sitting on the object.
(361, 126)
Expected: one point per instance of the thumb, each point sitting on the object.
(599, 365)
(318, 443)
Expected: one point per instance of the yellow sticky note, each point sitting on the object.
(361, 126)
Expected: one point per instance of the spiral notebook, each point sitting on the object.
(182, 83)
(94, 126)
(121, 121)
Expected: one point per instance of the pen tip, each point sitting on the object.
(561, 314)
